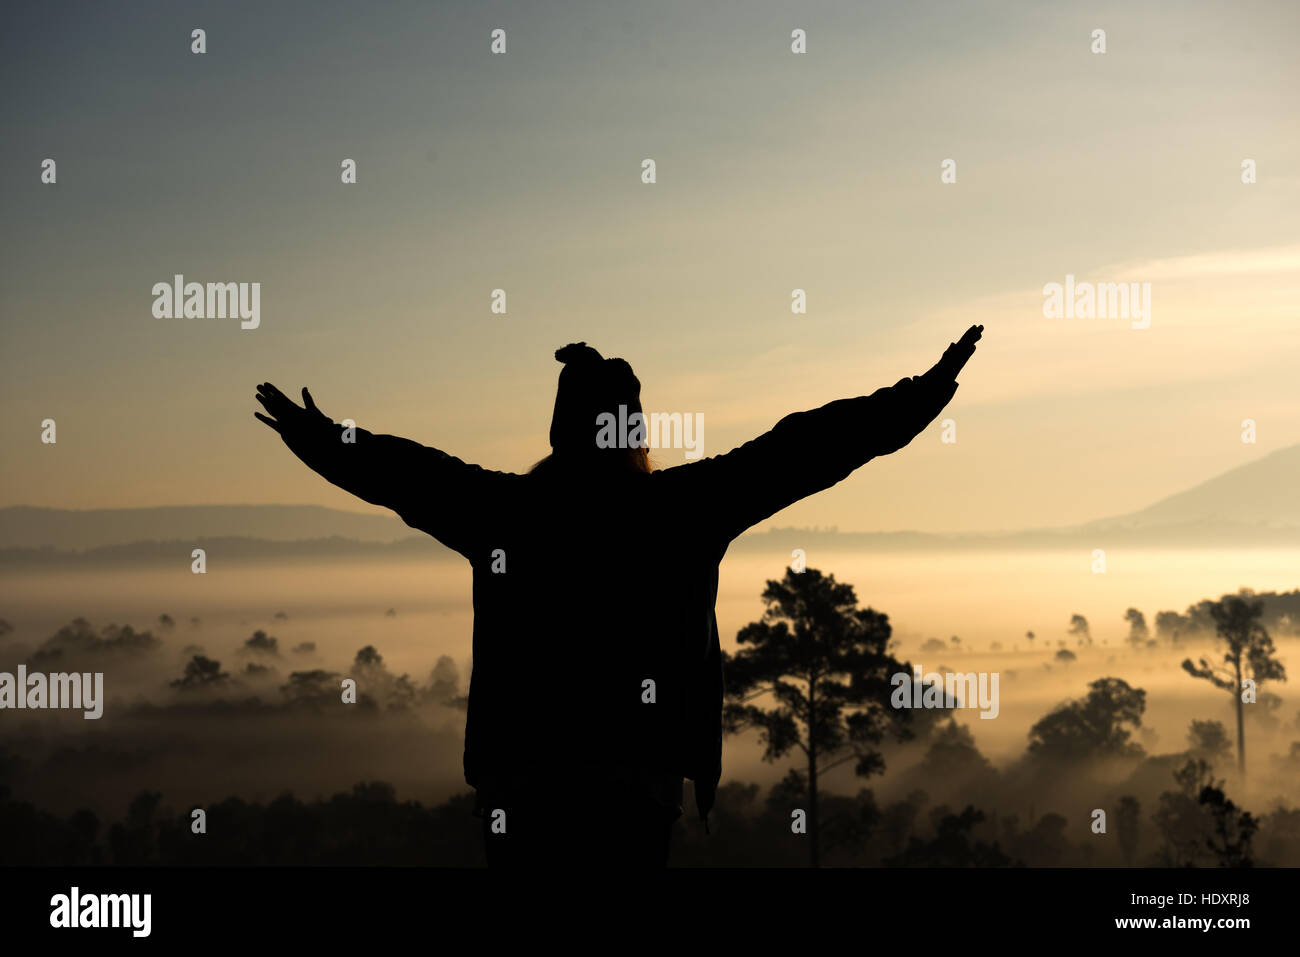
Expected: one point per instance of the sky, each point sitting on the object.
(775, 171)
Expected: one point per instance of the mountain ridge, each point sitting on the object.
(1251, 504)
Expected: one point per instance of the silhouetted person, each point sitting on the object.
(597, 679)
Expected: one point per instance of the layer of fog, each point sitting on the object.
(247, 737)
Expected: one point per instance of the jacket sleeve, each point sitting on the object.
(430, 490)
(807, 452)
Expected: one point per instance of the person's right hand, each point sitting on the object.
(918, 400)
(957, 355)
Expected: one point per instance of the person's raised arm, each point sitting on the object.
(428, 488)
(807, 452)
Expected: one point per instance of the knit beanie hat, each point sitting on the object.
(590, 385)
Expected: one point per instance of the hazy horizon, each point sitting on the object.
(1258, 490)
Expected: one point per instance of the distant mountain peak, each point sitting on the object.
(1263, 492)
(27, 526)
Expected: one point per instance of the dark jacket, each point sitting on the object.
(606, 581)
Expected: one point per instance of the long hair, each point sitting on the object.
(612, 460)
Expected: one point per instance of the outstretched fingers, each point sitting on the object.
(271, 404)
(276, 402)
(273, 394)
(271, 422)
(958, 353)
(279, 407)
(283, 414)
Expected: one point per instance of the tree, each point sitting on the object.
(1044, 844)
(377, 686)
(1127, 817)
(444, 682)
(953, 757)
(262, 644)
(1233, 830)
(952, 845)
(132, 841)
(1171, 625)
(78, 639)
(1092, 727)
(314, 688)
(1079, 628)
(1250, 654)
(201, 672)
(368, 656)
(1209, 740)
(824, 662)
(1137, 628)
(1181, 820)
(1200, 825)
